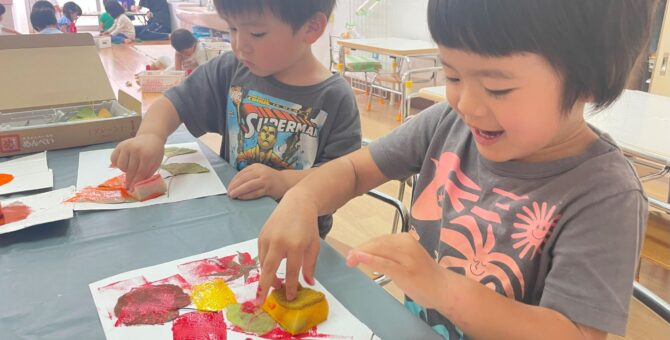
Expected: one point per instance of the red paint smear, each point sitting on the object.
(110, 191)
(150, 305)
(176, 280)
(14, 212)
(6, 178)
(199, 325)
(278, 333)
(253, 278)
(245, 259)
(249, 307)
(200, 271)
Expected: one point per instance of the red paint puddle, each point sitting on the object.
(14, 212)
(199, 325)
(150, 305)
(6, 178)
(278, 333)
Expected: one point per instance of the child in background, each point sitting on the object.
(44, 21)
(105, 21)
(43, 4)
(279, 110)
(122, 31)
(4, 29)
(189, 52)
(67, 22)
(526, 221)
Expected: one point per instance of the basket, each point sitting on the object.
(159, 81)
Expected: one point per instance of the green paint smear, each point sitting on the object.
(258, 322)
(174, 151)
(177, 169)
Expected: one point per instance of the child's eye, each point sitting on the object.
(258, 35)
(498, 93)
(452, 80)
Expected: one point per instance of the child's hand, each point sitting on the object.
(291, 232)
(257, 180)
(402, 258)
(139, 157)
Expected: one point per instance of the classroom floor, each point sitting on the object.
(364, 218)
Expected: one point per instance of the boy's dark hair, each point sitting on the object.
(114, 8)
(2, 9)
(293, 12)
(593, 44)
(41, 18)
(70, 8)
(182, 39)
(41, 4)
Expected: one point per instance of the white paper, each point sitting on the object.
(46, 207)
(30, 173)
(94, 169)
(341, 324)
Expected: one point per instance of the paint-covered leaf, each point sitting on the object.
(177, 169)
(250, 319)
(174, 151)
(150, 305)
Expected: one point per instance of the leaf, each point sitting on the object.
(177, 169)
(255, 321)
(174, 151)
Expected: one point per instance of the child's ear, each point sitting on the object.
(314, 27)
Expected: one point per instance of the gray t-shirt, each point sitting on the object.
(562, 234)
(265, 121)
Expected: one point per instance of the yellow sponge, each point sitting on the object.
(307, 310)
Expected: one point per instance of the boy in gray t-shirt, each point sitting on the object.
(526, 222)
(279, 110)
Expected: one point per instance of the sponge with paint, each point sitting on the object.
(149, 188)
(308, 309)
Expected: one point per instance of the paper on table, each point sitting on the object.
(94, 169)
(341, 324)
(30, 173)
(46, 207)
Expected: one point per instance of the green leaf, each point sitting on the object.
(85, 113)
(174, 151)
(258, 322)
(177, 169)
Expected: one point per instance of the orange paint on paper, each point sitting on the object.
(14, 212)
(6, 178)
(110, 191)
(212, 295)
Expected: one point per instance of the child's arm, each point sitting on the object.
(63, 28)
(178, 59)
(291, 231)
(140, 157)
(478, 311)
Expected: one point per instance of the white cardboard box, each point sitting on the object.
(103, 41)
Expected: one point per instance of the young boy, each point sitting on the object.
(527, 222)
(4, 29)
(280, 111)
(44, 21)
(189, 54)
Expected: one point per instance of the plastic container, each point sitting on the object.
(159, 81)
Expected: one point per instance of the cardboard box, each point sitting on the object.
(46, 80)
(103, 41)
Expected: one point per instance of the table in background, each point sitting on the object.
(45, 270)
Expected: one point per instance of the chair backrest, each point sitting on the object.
(334, 51)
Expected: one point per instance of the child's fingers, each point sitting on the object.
(376, 263)
(268, 274)
(293, 263)
(309, 263)
(252, 195)
(122, 161)
(114, 157)
(246, 188)
(131, 174)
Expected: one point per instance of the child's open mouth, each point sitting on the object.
(486, 137)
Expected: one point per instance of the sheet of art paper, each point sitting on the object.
(28, 211)
(186, 172)
(204, 296)
(25, 174)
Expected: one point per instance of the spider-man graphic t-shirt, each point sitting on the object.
(562, 234)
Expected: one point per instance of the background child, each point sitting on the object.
(122, 31)
(4, 29)
(280, 111)
(44, 21)
(67, 22)
(159, 26)
(189, 52)
(105, 21)
(526, 221)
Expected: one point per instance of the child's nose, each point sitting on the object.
(469, 103)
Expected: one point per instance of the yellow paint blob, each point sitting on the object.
(212, 295)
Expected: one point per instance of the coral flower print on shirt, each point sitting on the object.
(537, 226)
(480, 261)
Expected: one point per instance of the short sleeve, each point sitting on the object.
(401, 153)
(590, 279)
(344, 135)
(201, 98)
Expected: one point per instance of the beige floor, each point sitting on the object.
(364, 217)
